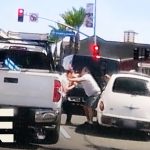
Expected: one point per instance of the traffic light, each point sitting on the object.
(20, 14)
(95, 51)
(136, 53)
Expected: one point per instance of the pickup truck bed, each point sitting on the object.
(27, 88)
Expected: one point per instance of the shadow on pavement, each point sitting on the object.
(18, 146)
(110, 132)
(30, 146)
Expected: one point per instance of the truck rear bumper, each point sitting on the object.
(26, 119)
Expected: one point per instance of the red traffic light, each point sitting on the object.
(20, 14)
(95, 47)
(95, 51)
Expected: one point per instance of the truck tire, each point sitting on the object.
(52, 137)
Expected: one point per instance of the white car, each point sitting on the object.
(125, 102)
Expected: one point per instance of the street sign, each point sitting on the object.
(33, 17)
(62, 33)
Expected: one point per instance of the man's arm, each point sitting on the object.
(77, 79)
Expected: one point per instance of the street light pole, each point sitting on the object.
(95, 40)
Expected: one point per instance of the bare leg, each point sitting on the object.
(68, 119)
(90, 114)
(86, 112)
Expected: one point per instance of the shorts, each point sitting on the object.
(92, 101)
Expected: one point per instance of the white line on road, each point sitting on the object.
(64, 133)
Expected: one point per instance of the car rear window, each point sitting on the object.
(132, 86)
(26, 59)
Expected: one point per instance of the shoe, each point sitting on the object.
(88, 123)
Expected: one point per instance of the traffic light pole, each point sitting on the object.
(95, 40)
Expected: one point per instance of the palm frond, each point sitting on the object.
(74, 17)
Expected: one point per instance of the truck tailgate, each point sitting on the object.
(28, 89)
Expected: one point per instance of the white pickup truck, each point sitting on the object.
(30, 94)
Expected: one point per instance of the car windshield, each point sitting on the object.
(131, 86)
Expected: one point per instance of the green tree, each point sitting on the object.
(74, 18)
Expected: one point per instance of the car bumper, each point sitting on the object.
(125, 123)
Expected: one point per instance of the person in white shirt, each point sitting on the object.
(92, 91)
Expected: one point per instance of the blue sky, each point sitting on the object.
(113, 17)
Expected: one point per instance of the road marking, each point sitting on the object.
(64, 133)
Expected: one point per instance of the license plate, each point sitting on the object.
(130, 123)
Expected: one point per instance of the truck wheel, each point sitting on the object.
(52, 137)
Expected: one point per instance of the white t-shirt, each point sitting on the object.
(89, 84)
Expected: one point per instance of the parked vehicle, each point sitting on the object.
(125, 102)
(144, 68)
(31, 88)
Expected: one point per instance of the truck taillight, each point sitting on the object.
(57, 91)
(101, 106)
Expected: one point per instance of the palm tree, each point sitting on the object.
(74, 18)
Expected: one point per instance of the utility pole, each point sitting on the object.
(95, 40)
